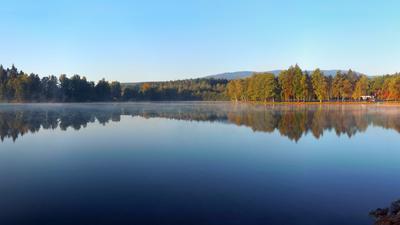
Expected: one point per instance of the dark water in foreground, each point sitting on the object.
(197, 163)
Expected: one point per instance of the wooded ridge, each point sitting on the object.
(291, 85)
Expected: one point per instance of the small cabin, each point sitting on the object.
(367, 98)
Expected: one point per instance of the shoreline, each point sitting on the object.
(395, 103)
(383, 103)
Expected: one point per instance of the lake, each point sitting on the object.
(197, 163)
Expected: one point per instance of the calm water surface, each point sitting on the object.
(197, 163)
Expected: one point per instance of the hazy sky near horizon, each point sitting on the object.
(176, 39)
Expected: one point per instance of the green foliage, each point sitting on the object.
(291, 85)
(180, 90)
(286, 83)
(394, 88)
(319, 84)
(295, 85)
(115, 90)
(259, 87)
(17, 86)
(337, 86)
(102, 91)
(361, 88)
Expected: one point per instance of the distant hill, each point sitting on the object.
(238, 75)
(244, 74)
(231, 75)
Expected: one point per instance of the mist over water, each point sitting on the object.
(292, 121)
(197, 163)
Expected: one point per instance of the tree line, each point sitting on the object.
(291, 85)
(179, 90)
(295, 85)
(17, 86)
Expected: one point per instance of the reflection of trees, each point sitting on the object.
(292, 121)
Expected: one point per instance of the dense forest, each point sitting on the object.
(294, 85)
(179, 90)
(291, 85)
(17, 86)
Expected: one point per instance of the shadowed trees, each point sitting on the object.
(180, 90)
(102, 91)
(115, 90)
(76, 89)
(17, 86)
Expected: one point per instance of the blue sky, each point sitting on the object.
(165, 40)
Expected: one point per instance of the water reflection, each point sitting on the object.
(292, 121)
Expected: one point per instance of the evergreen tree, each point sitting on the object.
(115, 90)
